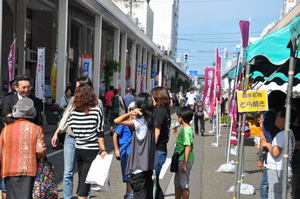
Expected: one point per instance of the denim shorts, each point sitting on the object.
(123, 160)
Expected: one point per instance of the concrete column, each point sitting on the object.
(139, 68)
(21, 36)
(62, 49)
(133, 64)
(149, 69)
(122, 82)
(160, 72)
(116, 55)
(97, 53)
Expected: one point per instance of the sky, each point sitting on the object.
(205, 25)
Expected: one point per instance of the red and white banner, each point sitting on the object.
(11, 64)
(87, 65)
(40, 74)
(208, 94)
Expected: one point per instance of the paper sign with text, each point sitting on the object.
(252, 101)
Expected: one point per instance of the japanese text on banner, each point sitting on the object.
(251, 101)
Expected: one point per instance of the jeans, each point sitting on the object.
(69, 166)
(264, 186)
(160, 159)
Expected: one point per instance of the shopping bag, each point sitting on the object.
(98, 172)
(45, 185)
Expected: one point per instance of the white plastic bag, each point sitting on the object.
(104, 188)
(227, 167)
(99, 170)
(246, 189)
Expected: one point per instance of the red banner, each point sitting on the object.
(208, 93)
(217, 77)
(11, 64)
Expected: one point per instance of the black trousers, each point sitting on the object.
(19, 187)
(142, 185)
(84, 160)
(198, 119)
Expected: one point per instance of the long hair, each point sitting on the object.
(84, 98)
(145, 103)
(85, 80)
(161, 96)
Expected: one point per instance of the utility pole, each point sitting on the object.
(130, 6)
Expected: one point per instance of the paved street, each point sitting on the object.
(205, 183)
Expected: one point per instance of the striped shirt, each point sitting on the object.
(87, 128)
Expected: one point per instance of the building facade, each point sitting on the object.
(70, 30)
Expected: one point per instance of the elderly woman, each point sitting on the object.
(21, 144)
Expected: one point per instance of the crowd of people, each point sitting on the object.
(141, 126)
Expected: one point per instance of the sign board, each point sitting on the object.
(193, 72)
(252, 101)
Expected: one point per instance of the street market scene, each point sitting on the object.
(149, 99)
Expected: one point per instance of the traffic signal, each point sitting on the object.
(185, 58)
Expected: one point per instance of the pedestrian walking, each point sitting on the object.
(199, 115)
(86, 121)
(128, 98)
(117, 107)
(22, 143)
(275, 156)
(184, 147)
(122, 144)
(65, 100)
(69, 143)
(108, 95)
(142, 155)
(162, 122)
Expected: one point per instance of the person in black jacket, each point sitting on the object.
(23, 90)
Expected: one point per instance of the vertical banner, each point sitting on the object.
(244, 27)
(289, 4)
(208, 95)
(87, 65)
(217, 77)
(11, 64)
(143, 74)
(40, 74)
(54, 77)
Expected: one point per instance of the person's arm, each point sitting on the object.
(175, 132)
(157, 133)
(187, 151)
(41, 145)
(275, 151)
(116, 145)
(7, 110)
(123, 118)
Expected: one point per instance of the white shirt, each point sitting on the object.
(191, 98)
(141, 127)
(276, 163)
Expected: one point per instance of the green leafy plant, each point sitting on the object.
(111, 66)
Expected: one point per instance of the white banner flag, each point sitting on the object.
(290, 4)
(40, 74)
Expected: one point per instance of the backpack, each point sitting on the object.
(198, 108)
(115, 105)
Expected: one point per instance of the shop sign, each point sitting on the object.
(252, 101)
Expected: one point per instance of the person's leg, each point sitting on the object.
(196, 126)
(3, 188)
(178, 191)
(275, 185)
(149, 184)
(264, 186)
(202, 125)
(19, 187)
(69, 165)
(160, 159)
(185, 193)
(87, 157)
(126, 179)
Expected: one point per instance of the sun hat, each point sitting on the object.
(24, 109)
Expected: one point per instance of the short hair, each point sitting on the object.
(281, 113)
(111, 88)
(128, 90)
(276, 100)
(161, 97)
(115, 91)
(185, 113)
(22, 77)
(68, 88)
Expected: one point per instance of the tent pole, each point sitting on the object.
(287, 124)
(238, 130)
(241, 148)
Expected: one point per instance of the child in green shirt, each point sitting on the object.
(184, 142)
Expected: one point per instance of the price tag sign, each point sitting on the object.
(252, 101)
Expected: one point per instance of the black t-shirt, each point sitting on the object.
(162, 120)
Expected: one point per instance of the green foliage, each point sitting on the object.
(111, 66)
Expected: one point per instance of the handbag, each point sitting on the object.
(45, 185)
(175, 160)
